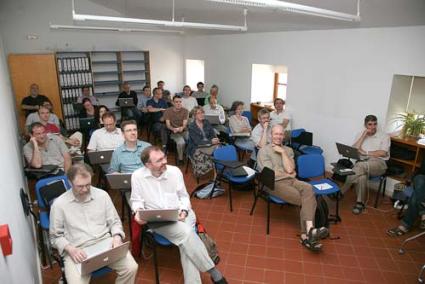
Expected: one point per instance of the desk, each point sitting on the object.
(410, 166)
(255, 107)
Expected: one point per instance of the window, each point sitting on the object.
(268, 82)
(194, 72)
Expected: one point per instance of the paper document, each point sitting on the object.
(249, 171)
(323, 186)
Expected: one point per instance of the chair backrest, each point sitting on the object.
(266, 178)
(311, 165)
(48, 189)
(297, 132)
(248, 115)
(225, 153)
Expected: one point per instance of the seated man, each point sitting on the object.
(176, 118)
(261, 134)
(82, 217)
(200, 93)
(31, 103)
(86, 93)
(126, 158)
(374, 145)
(161, 186)
(188, 101)
(34, 117)
(281, 159)
(280, 115)
(46, 150)
(109, 137)
(157, 106)
(130, 112)
(212, 108)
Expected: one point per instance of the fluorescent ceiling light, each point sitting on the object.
(295, 8)
(84, 17)
(114, 29)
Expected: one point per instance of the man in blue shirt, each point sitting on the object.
(126, 158)
(156, 106)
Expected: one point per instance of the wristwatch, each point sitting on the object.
(185, 211)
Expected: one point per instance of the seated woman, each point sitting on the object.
(101, 110)
(202, 142)
(415, 209)
(241, 128)
(88, 111)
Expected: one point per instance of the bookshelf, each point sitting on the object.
(410, 166)
(74, 72)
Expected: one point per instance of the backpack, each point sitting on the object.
(322, 213)
(209, 243)
(203, 191)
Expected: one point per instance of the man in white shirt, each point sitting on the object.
(261, 134)
(188, 101)
(374, 145)
(213, 108)
(108, 137)
(161, 186)
(280, 115)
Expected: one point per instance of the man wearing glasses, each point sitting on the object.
(374, 146)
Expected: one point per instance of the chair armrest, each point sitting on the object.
(229, 164)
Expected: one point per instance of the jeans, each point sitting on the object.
(415, 207)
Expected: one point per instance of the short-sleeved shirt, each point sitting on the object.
(103, 140)
(52, 154)
(267, 157)
(126, 160)
(143, 101)
(200, 95)
(176, 117)
(157, 104)
(257, 132)
(34, 117)
(378, 141)
(34, 101)
(189, 102)
(276, 118)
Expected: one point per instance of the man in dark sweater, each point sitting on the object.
(130, 111)
(31, 103)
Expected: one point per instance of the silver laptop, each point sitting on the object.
(100, 255)
(350, 152)
(119, 181)
(159, 215)
(126, 102)
(213, 119)
(100, 157)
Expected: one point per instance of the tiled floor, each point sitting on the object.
(360, 251)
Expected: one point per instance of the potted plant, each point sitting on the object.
(413, 124)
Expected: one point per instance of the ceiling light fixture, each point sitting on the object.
(295, 8)
(161, 23)
(113, 29)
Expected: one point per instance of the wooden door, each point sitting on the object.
(26, 69)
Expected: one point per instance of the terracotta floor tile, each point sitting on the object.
(254, 274)
(353, 274)
(293, 266)
(294, 278)
(373, 276)
(274, 277)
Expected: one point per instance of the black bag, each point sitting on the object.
(322, 213)
(51, 191)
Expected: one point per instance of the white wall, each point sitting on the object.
(22, 266)
(19, 18)
(335, 77)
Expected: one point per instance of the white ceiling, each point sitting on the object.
(374, 13)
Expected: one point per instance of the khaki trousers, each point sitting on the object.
(363, 170)
(298, 193)
(126, 268)
(180, 139)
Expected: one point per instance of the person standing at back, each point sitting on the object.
(31, 103)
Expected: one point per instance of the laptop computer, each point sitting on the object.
(100, 157)
(349, 152)
(126, 102)
(101, 254)
(119, 181)
(87, 123)
(213, 119)
(159, 215)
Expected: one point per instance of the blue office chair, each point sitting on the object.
(47, 190)
(313, 166)
(248, 115)
(297, 142)
(224, 158)
(266, 179)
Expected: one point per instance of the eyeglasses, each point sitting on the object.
(79, 187)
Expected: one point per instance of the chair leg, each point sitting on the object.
(336, 218)
(187, 165)
(155, 262)
(401, 250)
(122, 204)
(379, 192)
(254, 204)
(268, 216)
(385, 187)
(420, 279)
(129, 220)
(230, 197)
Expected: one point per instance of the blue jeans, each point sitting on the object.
(415, 208)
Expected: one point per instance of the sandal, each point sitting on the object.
(358, 208)
(396, 232)
(315, 234)
(312, 246)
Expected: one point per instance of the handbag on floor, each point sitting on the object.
(209, 243)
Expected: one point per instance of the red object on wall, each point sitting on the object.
(5, 240)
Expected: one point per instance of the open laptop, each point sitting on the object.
(349, 152)
(100, 157)
(159, 215)
(87, 123)
(213, 119)
(119, 181)
(126, 102)
(101, 254)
